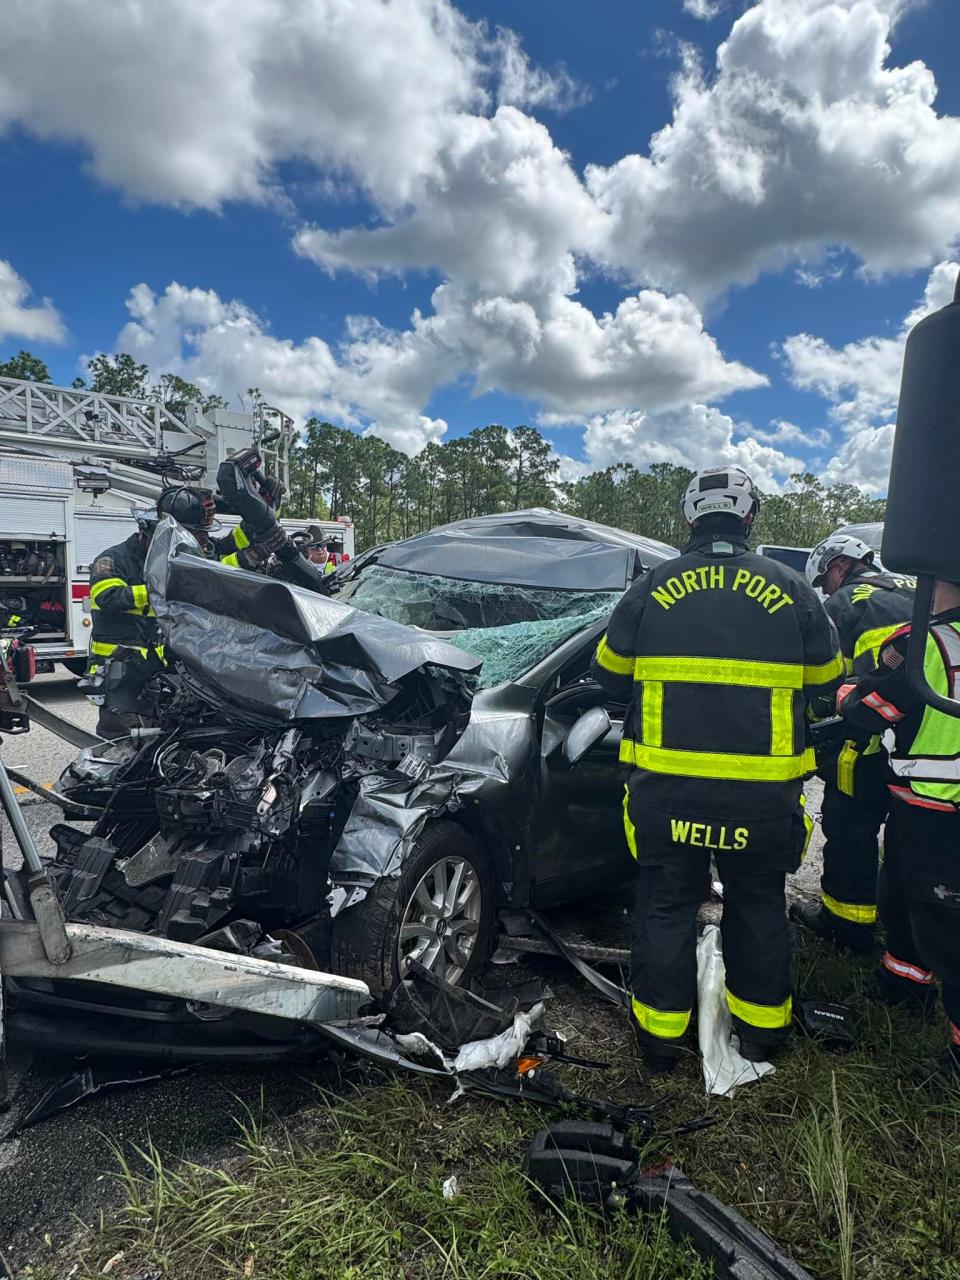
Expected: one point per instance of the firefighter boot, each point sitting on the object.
(908, 991)
(842, 934)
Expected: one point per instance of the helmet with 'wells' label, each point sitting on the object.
(721, 491)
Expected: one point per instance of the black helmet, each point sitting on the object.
(194, 509)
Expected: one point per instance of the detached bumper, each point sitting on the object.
(142, 996)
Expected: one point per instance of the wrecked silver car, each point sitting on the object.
(354, 781)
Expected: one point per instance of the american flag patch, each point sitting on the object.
(891, 658)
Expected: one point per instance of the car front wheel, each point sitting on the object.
(439, 911)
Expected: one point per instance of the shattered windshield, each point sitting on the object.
(510, 628)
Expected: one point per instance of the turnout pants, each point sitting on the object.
(672, 882)
(855, 804)
(923, 881)
(126, 674)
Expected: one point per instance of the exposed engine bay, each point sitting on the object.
(211, 824)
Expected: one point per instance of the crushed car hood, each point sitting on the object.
(537, 548)
(278, 649)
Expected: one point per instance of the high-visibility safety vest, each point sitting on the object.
(716, 653)
(929, 763)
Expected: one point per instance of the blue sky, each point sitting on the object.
(491, 167)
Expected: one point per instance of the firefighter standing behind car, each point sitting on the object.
(125, 642)
(715, 653)
(866, 607)
(924, 785)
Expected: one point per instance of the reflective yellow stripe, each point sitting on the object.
(781, 722)
(232, 560)
(140, 600)
(13, 619)
(855, 912)
(846, 764)
(870, 641)
(716, 764)
(661, 1022)
(768, 1016)
(825, 672)
(240, 539)
(104, 650)
(807, 826)
(738, 671)
(652, 713)
(98, 588)
(628, 827)
(610, 660)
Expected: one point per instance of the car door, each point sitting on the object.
(581, 848)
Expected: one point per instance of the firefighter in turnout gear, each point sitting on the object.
(716, 654)
(924, 784)
(125, 643)
(866, 606)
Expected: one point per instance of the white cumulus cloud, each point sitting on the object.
(805, 137)
(23, 317)
(861, 384)
(696, 435)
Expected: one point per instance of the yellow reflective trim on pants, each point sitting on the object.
(874, 746)
(807, 827)
(781, 722)
(735, 671)
(98, 588)
(846, 765)
(232, 560)
(870, 641)
(825, 672)
(853, 912)
(666, 1024)
(629, 829)
(652, 713)
(610, 660)
(140, 600)
(101, 649)
(716, 764)
(768, 1016)
(240, 539)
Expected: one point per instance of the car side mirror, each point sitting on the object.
(592, 727)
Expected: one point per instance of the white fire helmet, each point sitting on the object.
(824, 553)
(726, 491)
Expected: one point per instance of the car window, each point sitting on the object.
(509, 628)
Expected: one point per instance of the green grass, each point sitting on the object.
(840, 1158)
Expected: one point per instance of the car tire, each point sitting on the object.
(76, 666)
(366, 939)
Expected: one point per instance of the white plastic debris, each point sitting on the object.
(497, 1051)
(724, 1069)
(451, 1187)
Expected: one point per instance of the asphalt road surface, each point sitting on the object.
(61, 1170)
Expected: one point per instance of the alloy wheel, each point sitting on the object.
(441, 921)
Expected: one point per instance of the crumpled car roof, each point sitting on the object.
(278, 649)
(532, 548)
